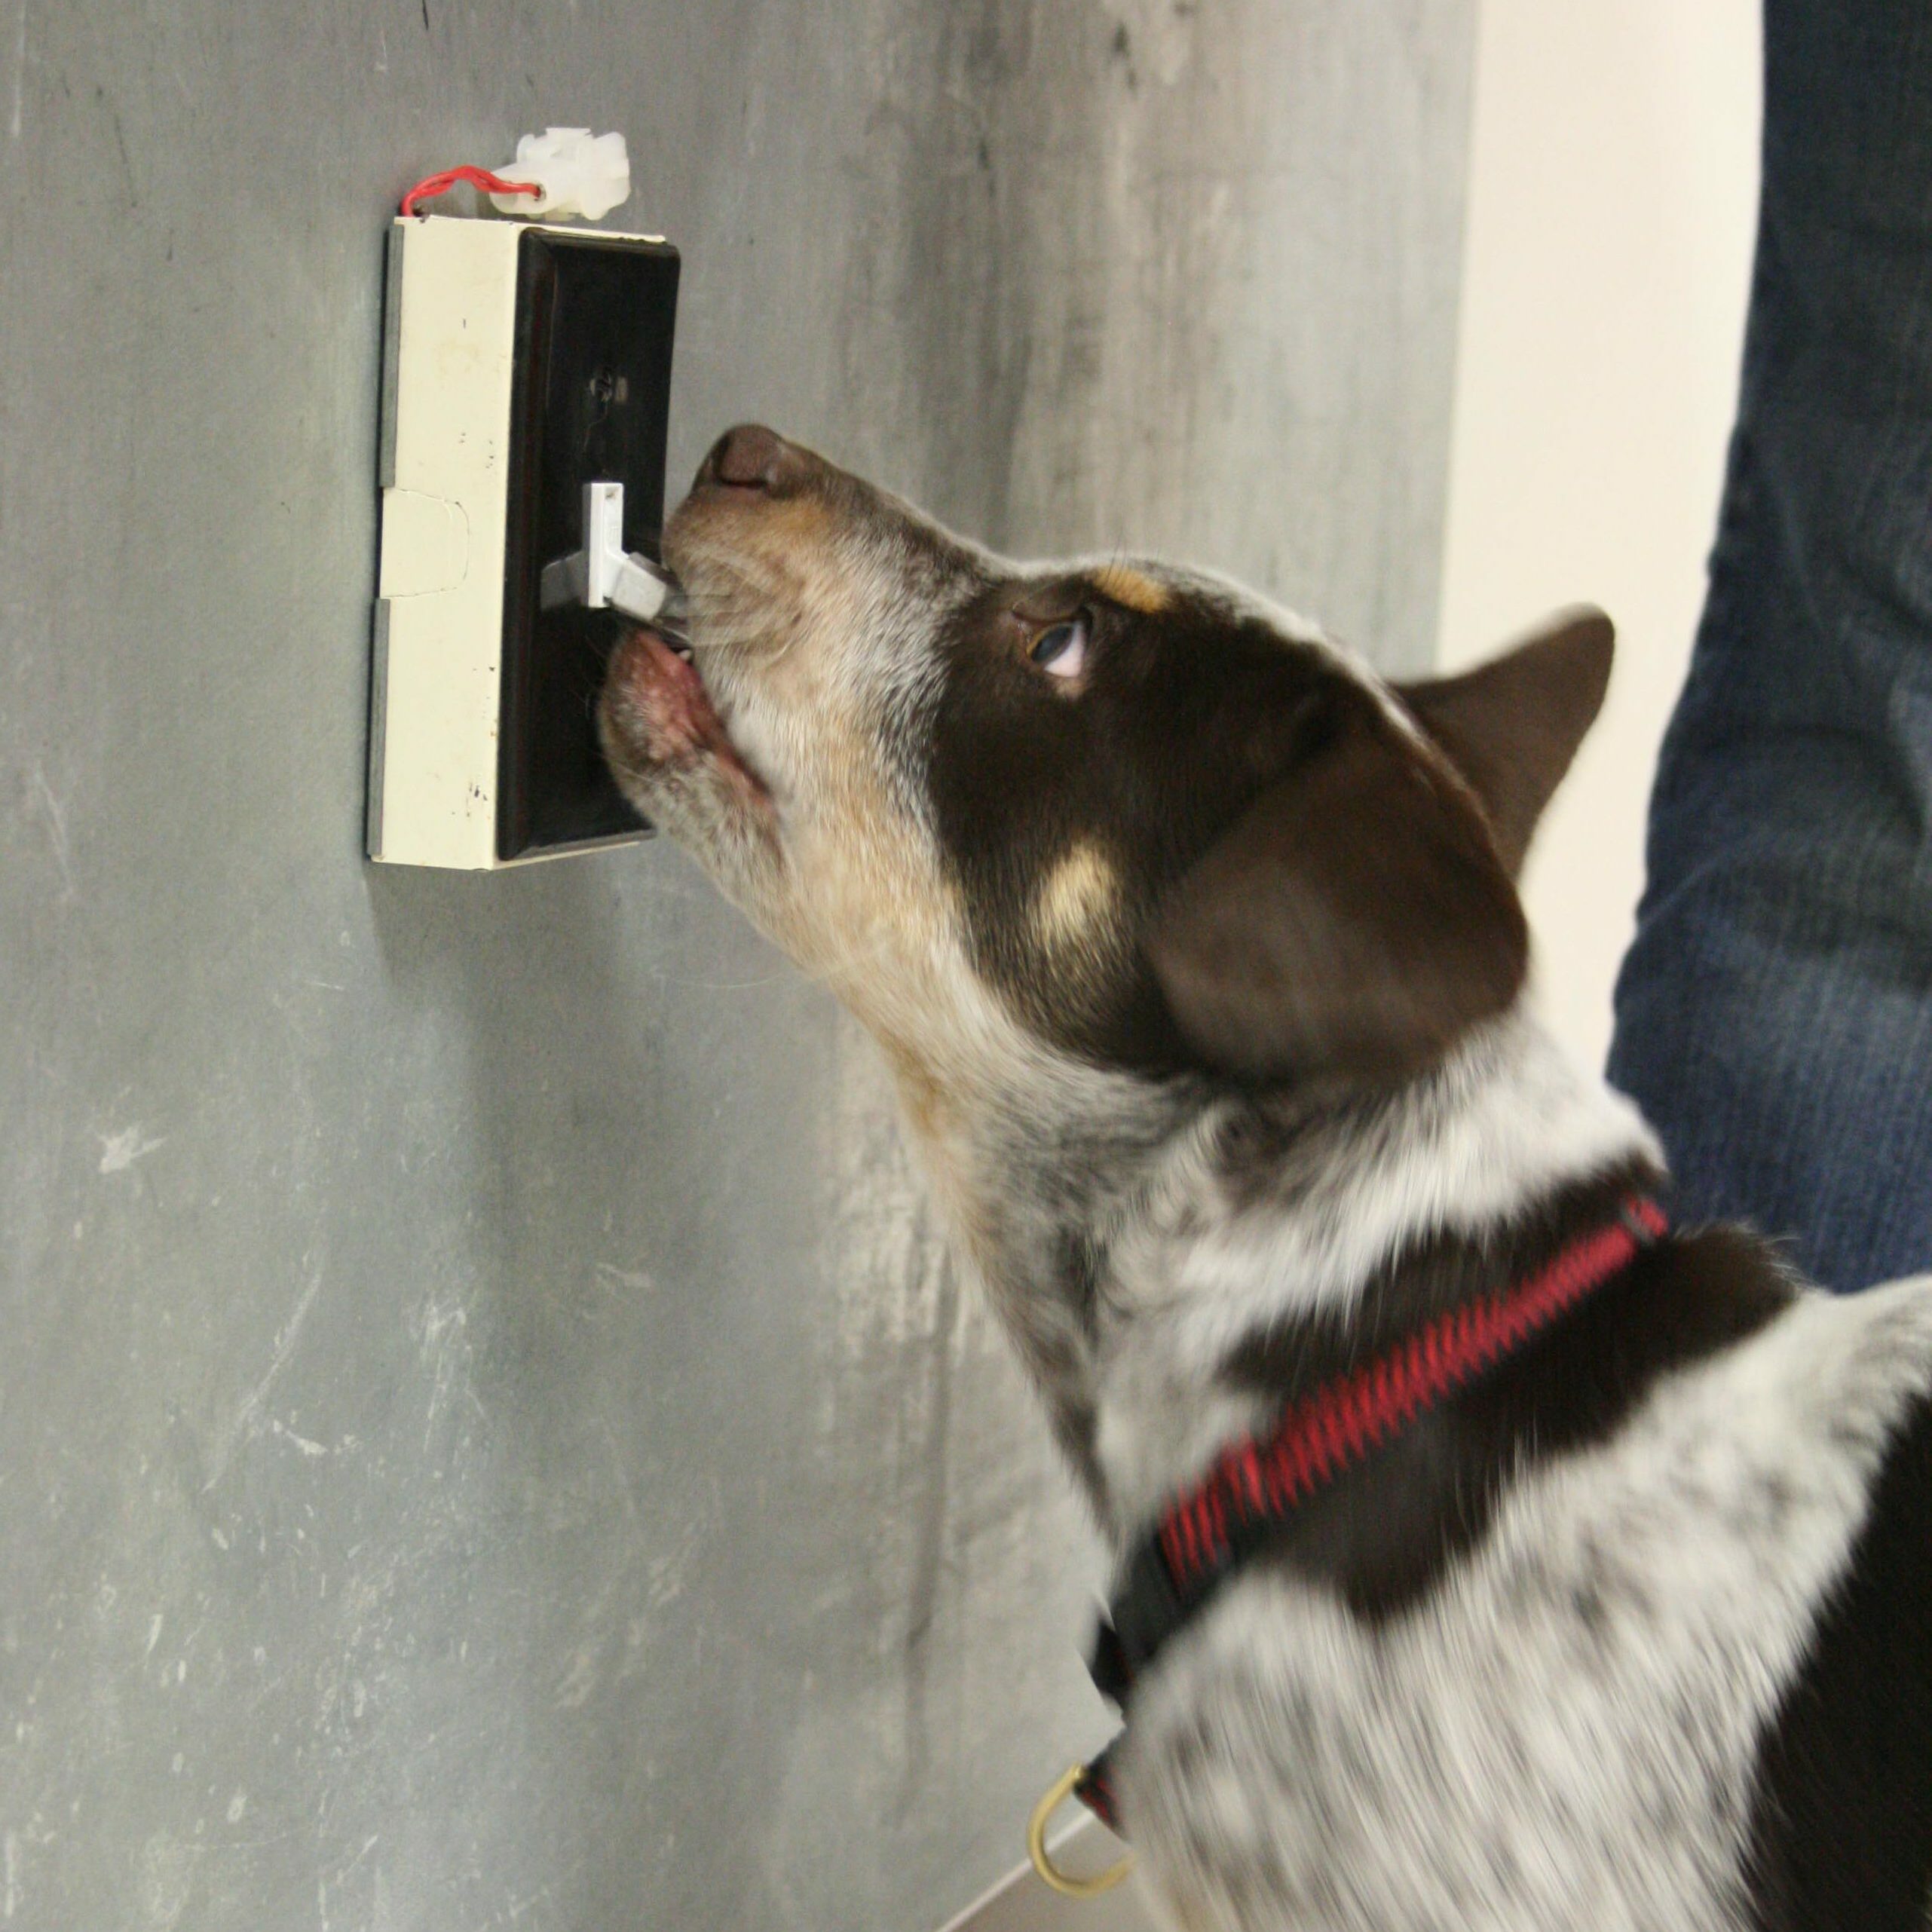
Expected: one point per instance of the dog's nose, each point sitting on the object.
(753, 458)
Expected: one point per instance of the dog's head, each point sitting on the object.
(1121, 813)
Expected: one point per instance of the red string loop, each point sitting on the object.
(430, 186)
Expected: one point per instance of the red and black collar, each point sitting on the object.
(1256, 1484)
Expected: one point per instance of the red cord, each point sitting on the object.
(430, 188)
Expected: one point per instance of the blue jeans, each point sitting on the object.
(1774, 1013)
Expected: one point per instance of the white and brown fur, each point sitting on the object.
(1202, 974)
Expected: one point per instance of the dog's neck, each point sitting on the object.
(1139, 1241)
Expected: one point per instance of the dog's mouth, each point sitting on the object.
(739, 549)
(656, 710)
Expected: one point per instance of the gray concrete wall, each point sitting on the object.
(487, 1436)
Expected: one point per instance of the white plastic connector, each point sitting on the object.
(579, 174)
(604, 573)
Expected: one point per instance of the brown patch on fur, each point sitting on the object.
(921, 1096)
(1078, 902)
(1132, 589)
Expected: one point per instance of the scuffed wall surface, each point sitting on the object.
(487, 1435)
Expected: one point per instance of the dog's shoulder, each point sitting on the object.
(1673, 1635)
(1841, 1827)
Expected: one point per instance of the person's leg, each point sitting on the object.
(1774, 1013)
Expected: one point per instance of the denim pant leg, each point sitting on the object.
(1774, 1013)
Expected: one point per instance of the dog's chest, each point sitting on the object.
(1564, 1731)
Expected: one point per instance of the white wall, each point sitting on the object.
(1611, 203)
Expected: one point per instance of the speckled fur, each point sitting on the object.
(1565, 1734)
(1561, 1731)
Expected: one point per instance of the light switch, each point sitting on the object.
(523, 364)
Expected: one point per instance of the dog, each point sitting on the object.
(1195, 949)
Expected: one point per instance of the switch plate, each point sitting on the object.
(521, 362)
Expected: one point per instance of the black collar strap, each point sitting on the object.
(1256, 1485)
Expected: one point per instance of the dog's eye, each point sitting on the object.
(1061, 649)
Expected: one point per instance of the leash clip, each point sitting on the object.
(1064, 1883)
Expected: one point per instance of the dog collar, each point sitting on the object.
(1256, 1484)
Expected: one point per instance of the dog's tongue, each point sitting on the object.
(668, 700)
(653, 666)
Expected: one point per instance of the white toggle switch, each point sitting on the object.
(604, 574)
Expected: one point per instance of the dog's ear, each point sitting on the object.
(1353, 921)
(1511, 727)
